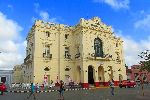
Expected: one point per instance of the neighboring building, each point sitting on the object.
(86, 53)
(23, 73)
(128, 72)
(135, 74)
(17, 74)
(6, 77)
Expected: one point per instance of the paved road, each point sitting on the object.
(93, 94)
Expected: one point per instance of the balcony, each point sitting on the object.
(67, 56)
(28, 59)
(105, 57)
(77, 55)
(47, 56)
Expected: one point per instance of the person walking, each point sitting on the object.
(32, 92)
(61, 90)
(111, 84)
(36, 87)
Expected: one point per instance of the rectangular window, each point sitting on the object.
(27, 52)
(67, 55)
(47, 33)
(66, 36)
(116, 44)
(46, 51)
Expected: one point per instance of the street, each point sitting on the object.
(92, 94)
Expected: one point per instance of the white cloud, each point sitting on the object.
(8, 46)
(133, 48)
(36, 7)
(33, 19)
(11, 45)
(44, 15)
(143, 23)
(115, 4)
(8, 28)
(10, 6)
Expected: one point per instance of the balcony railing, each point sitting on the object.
(77, 55)
(68, 56)
(104, 57)
(28, 59)
(49, 56)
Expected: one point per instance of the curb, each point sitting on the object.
(76, 89)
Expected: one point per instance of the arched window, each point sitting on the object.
(98, 47)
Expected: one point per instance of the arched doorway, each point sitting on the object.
(101, 75)
(90, 75)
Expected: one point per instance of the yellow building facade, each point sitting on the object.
(86, 53)
(17, 74)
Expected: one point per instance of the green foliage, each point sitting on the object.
(126, 66)
(145, 64)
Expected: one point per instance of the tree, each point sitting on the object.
(144, 65)
(126, 66)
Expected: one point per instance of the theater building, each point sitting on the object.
(87, 53)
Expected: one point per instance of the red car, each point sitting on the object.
(2, 88)
(127, 84)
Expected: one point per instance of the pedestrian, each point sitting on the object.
(37, 87)
(42, 87)
(111, 84)
(32, 92)
(61, 90)
(51, 82)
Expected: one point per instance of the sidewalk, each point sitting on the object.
(102, 87)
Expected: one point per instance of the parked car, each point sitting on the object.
(51, 85)
(127, 84)
(25, 85)
(3, 88)
(16, 85)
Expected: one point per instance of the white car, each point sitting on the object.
(51, 85)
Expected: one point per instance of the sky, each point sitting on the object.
(130, 20)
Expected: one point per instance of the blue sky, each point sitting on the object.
(129, 18)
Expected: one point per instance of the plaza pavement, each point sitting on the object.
(101, 93)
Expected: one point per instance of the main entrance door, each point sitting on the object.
(101, 75)
(3, 79)
(90, 75)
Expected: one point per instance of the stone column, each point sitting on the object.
(95, 73)
(84, 78)
(106, 76)
(115, 77)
